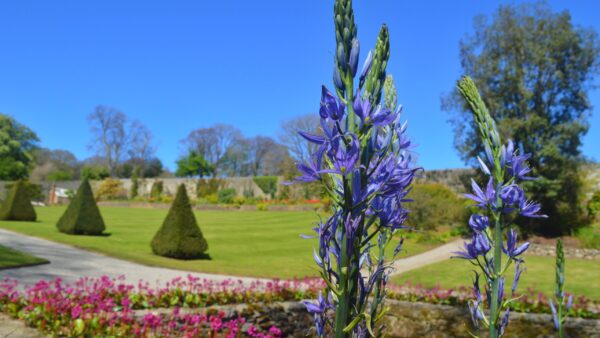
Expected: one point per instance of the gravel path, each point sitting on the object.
(438, 254)
(70, 264)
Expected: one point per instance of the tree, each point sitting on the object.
(17, 144)
(109, 135)
(55, 165)
(297, 145)
(141, 145)
(213, 143)
(193, 165)
(17, 206)
(82, 216)
(534, 68)
(179, 236)
(259, 148)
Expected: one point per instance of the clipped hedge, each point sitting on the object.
(179, 236)
(208, 187)
(226, 196)
(82, 216)
(17, 206)
(157, 190)
(435, 205)
(268, 184)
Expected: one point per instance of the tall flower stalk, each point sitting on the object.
(560, 311)
(500, 202)
(363, 162)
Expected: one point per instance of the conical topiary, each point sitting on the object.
(179, 236)
(82, 216)
(17, 206)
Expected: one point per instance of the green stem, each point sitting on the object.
(494, 308)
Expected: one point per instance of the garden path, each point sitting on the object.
(435, 255)
(70, 264)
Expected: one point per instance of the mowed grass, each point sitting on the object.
(582, 275)
(241, 243)
(10, 258)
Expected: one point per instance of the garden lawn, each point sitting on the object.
(10, 258)
(582, 275)
(241, 243)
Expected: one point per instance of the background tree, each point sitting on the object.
(55, 165)
(141, 145)
(17, 145)
(108, 127)
(193, 165)
(213, 143)
(533, 68)
(299, 148)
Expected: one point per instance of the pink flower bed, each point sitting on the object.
(109, 307)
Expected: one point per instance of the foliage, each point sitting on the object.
(17, 206)
(156, 190)
(34, 191)
(434, 205)
(589, 237)
(179, 236)
(193, 165)
(59, 175)
(593, 205)
(94, 173)
(17, 144)
(267, 184)
(82, 216)
(110, 189)
(226, 195)
(206, 187)
(534, 68)
(135, 185)
(262, 207)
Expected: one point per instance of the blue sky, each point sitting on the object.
(181, 65)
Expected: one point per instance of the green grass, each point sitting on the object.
(242, 243)
(581, 275)
(10, 258)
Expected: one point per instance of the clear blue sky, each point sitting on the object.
(181, 65)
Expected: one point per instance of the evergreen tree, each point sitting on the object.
(17, 206)
(82, 217)
(179, 236)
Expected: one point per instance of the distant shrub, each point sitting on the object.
(59, 175)
(262, 207)
(593, 206)
(82, 216)
(34, 191)
(589, 237)
(206, 187)
(94, 173)
(135, 185)
(179, 236)
(17, 206)
(110, 189)
(157, 190)
(433, 205)
(268, 184)
(226, 196)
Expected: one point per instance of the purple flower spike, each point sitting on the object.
(531, 209)
(554, 315)
(478, 246)
(512, 195)
(354, 52)
(482, 198)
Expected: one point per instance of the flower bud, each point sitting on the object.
(341, 57)
(354, 52)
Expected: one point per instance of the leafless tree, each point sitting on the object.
(259, 148)
(108, 127)
(213, 143)
(299, 148)
(141, 146)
